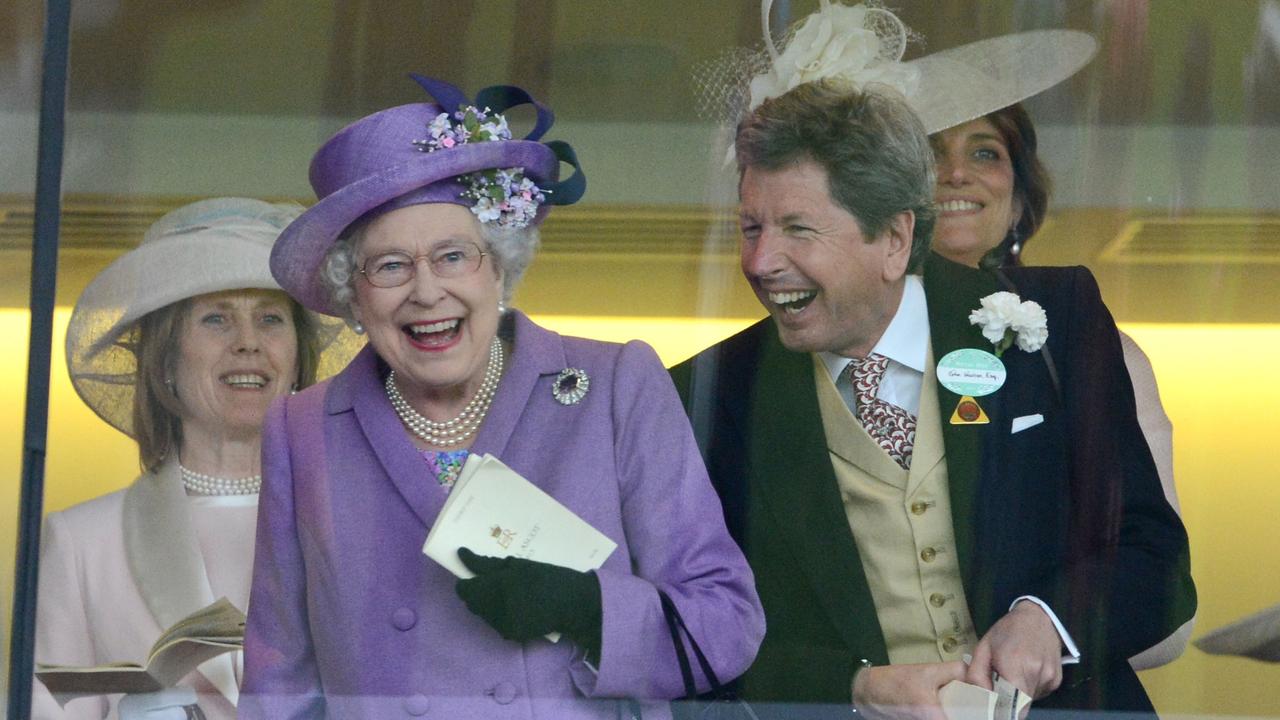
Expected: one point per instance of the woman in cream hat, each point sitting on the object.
(181, 344)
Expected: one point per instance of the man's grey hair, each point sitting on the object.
(511, 249)
(873, 147)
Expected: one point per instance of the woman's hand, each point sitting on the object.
(525, 599)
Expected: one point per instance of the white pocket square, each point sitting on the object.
(1024, 422)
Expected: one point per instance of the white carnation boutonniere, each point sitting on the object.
(1007, 319)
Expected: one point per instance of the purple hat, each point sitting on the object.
(450, 151)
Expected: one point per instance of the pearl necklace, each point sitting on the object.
(461, 428)
(201, 484)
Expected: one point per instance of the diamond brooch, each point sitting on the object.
(570, 386)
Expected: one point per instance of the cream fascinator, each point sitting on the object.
(205, 247)
(864, 45)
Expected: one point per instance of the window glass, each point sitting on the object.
(1162, 153)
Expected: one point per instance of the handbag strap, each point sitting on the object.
(676, 625)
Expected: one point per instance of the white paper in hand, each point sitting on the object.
(494, 511)
(962, 701)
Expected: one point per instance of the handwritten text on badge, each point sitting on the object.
(971, 372)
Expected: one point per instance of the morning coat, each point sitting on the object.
(1069, 509)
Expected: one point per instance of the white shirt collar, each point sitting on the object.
(905, 341)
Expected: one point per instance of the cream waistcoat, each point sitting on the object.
(901, 522)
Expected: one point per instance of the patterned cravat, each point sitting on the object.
(893, 428)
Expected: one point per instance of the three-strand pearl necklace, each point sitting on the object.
(461, 428)
(201, 484)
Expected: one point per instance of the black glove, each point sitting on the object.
(526, 599)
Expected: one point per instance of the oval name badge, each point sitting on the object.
(971, 372)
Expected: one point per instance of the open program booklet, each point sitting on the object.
(962, 701)
(204, 634)
(494, 511)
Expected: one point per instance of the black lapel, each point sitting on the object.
(952, 292)
(791, 470)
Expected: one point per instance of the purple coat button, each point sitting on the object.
(417, 704)
(504, 693)
(404, 618)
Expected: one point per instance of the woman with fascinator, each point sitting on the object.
(180, 344)
(427, 218)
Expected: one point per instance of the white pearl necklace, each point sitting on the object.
(461, 428)
(201, 484)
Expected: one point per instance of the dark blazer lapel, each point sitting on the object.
(791, 471)
(359, 388)
(952, 292)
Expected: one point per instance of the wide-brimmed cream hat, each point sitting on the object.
(865, 45)
(205, 247)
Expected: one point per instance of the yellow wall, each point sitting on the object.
(1219, 387)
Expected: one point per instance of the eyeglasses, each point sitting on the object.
(450, 260)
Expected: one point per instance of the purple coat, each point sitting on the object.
(347, 615)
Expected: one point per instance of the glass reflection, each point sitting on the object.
(1162, 152)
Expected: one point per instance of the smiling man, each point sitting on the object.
(906, 532)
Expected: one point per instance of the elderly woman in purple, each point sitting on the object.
(426, 220)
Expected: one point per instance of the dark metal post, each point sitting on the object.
(44, 272)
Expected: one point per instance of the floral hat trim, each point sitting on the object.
(503, 196)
